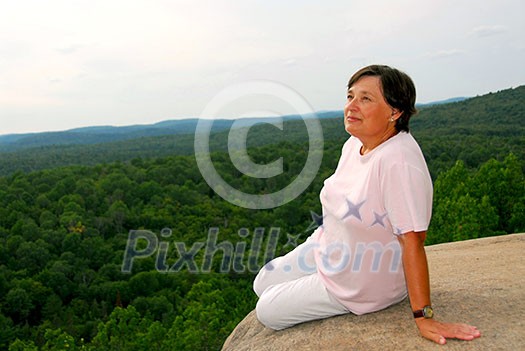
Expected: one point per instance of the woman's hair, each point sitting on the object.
(397, 88)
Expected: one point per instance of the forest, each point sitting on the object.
(66, 225)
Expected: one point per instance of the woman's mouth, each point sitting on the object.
(352, 119)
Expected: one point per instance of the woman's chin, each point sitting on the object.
(350, 129)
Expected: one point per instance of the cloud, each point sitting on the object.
(290, 62)
(66, 50)
(488, 31)
(440, 54)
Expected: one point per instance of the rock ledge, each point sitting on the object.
(481, 282)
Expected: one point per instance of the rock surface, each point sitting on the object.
(480, 282)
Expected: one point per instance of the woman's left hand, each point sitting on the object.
(439, 332)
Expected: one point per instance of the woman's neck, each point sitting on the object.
(372, 143)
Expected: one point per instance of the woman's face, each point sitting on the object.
(367, 114)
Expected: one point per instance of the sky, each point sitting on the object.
(75, 63)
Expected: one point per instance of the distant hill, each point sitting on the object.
(101, 134)
(473, 130)
(107, 134)
(441, 102)
(51, 156)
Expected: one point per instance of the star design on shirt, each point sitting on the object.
(353, 209)
(398, 231)
(379, 219)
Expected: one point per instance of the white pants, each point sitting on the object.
(291, 292)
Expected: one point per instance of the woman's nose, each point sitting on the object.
(350, 105)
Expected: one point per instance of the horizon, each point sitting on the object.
(213, 118)
(119, 63)
(151, 123)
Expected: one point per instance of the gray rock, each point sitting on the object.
(480, 282)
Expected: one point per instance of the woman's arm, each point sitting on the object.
(418, 285)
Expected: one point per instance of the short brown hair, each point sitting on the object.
(397, 88)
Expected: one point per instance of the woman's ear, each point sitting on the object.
(395, 114)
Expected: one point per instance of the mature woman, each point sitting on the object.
(369, 252)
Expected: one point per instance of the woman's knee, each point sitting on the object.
(262, 281)
(268, 316)
(258, 284)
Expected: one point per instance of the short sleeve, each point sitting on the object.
(407, 191)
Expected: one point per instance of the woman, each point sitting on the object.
(369, 252)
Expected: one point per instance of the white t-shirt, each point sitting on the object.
(367, 202)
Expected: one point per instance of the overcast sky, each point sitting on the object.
(67, 64)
